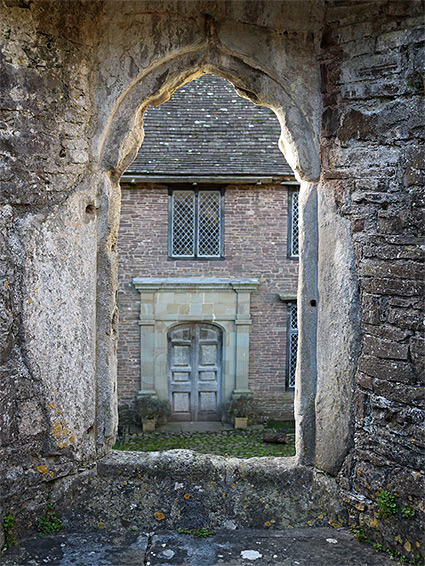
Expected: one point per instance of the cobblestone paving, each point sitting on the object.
(233, 443)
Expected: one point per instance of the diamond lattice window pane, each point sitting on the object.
(293, 317)
(293, 347)
(183, 224)
(292, 344)
(209, 223)
(294, 225)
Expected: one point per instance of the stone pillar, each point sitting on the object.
(306, 373)
(242, 329)
(147, 339)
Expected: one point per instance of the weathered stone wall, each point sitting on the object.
(76, 77)
(372, 64)
(48, 251)
(255, 234)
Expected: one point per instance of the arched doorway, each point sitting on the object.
(194, 371)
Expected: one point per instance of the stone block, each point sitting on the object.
(9, 412)
(364, 381)
(371, 309)
(406, 288)
(400, 391)
(392, 370)
(388, 332)
(415, 169)
(380, 348)
(417, 352)
(411, 318)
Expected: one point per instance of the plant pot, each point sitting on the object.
(241, 422)
(149, 425)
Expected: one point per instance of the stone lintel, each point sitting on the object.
(194, 283)
(191, 318)
(288, 296)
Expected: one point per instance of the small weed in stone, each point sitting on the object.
(408, 512)
(203, 532)
(8, 522)
(48, 523)
(359, 534)
(387, 505)
(417, 561)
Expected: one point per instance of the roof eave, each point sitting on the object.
(209, 179)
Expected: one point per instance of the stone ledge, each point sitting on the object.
(181, 488)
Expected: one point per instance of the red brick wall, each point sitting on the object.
(255, 240)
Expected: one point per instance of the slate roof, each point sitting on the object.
(206, 129)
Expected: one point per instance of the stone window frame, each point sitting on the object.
(196, 191)
(293, 227)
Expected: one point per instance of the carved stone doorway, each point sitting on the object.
(194, 372)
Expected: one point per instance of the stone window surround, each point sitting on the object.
(221, 301)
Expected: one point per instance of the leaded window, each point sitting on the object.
(196, 224)
(292, 344)
(293, 233)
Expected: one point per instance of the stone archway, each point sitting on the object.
(323, 416)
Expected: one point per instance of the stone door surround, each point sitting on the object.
(170, 301)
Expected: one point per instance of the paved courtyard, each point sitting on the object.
(209, 438)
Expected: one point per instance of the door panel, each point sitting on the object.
(207, 401)
(181, 402)
(194, 372)
(208, 354)
(181, 355)
(180, 372)
(181, 376)
(207, 375)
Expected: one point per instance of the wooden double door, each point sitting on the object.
(195, 371)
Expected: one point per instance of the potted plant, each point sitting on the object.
(151, 411)
(242, 411)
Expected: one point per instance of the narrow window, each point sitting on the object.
(293, 248)
(291, 344)
(196, 224)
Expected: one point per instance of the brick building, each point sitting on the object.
(208, 257)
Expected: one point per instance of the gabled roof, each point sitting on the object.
(206, 129)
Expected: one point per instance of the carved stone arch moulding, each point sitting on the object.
(324, 436)
(124, 134)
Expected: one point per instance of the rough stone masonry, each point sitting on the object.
(346, 80)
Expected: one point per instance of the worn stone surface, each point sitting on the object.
(76, 77)
(185, 489)
(320, 546)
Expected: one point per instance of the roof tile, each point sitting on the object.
(206, 128)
